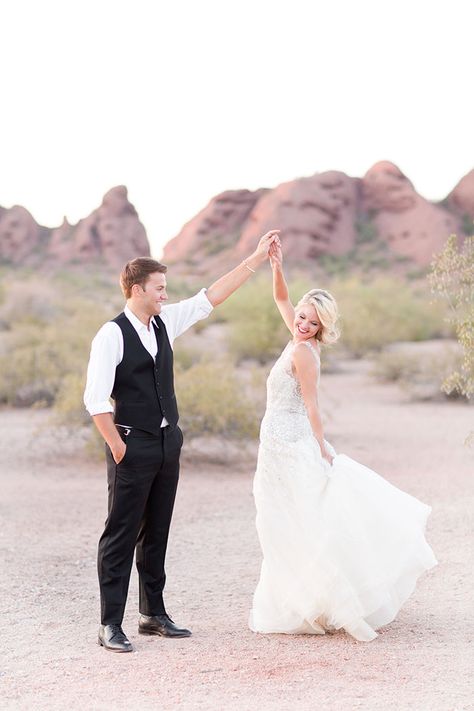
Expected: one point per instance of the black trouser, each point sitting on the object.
(142, 490)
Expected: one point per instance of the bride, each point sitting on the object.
(342, 548)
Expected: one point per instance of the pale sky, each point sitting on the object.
(185, 99)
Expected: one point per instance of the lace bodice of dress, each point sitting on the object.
(285, 418)
(283, 388)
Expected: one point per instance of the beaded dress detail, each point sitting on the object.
(342, 547)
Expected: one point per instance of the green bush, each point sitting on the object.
(256, 329)
(70, 413)
(37, 357)
(212, 400)
(452, 279)
(467, 225)
(394, 366)
(365, 230)
(48, 326)
(184, 357)
(69, 405)
(420, 373)
(384, 311)
(373, 314)
(33, 302)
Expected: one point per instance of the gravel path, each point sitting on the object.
(52, 510)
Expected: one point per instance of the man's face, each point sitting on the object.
(153, 295)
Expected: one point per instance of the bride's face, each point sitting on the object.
(306, 324)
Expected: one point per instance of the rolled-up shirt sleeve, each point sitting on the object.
(184, 314)
(106, 354)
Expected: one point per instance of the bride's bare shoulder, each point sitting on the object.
(309, 347)
(306, 355)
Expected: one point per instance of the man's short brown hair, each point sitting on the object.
(137, 271)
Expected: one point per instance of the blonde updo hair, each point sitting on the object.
(328, 314)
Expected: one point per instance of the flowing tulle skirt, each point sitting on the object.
(342, 547)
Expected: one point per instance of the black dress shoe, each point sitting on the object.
(113, 638)
(161, 625)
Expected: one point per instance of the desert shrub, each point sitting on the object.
(467, 225)
(88, 280)
(373, 314)
(212, 400)
(369, 255)
(384, 311)
(255, 326)
(69, 406)
(36, 358)
(201, 325)
(47, 326)
(452, 280)
(336, 265)
(70, 413)
(184, 357)
(26, 373)
(34, 301)
(300, 285)
(179, 288)
(394, 366)
(419, 372)
(365, 230)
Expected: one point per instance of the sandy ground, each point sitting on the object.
(52, 510)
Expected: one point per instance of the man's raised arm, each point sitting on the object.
(230, 282)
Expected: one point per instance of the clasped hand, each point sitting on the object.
(265, 243)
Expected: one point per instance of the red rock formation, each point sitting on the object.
(411, 226)
(110, 235)
(119, 230)
(60, 244)
(216, 228)
(329, 213)
(322, 215)
(384, 187)
(316, 216)
(19, 235)
(461, 199)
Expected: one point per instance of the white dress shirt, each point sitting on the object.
(107, 347)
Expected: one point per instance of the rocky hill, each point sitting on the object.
(378, 221)
(328, 216)
(110, 235)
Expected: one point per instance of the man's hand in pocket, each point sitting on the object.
(118, 452)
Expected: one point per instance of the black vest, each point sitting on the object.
(144, 389)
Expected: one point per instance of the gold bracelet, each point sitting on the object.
(249, 268)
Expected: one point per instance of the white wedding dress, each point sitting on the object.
(342, 548)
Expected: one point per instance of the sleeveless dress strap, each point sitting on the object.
(313, 350)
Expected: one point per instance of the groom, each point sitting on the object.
(131, 361)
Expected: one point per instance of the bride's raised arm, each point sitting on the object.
(280, 288)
